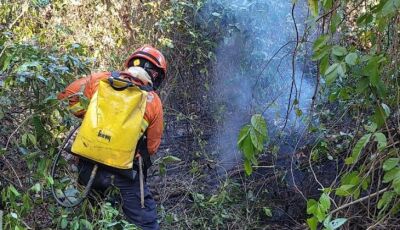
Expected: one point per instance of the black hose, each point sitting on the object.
(53, 169)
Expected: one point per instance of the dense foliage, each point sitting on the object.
(357, 55)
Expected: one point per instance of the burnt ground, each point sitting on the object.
(283, 188)
(201, 193)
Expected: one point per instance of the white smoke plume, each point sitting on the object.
(254, 69)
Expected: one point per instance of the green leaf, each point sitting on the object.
(254, 139)
(363, 20)
(325, 202)
(327, 4)
(381, 139)
(7, 62)
(356, 193)
(311, 206)
(321, 54)
(391, 175)
(25, 66)
(312, 223)
(247, 167)
(32, 138)
(379, 116)
(386, 109)
(386, 199)
(332, 68)
(244, 132)
(360, 145)
(336, 223)
(170, 159)
(335, 21)
(14, 190)
(313, 4)
(26, 202)
(161, 168)
(351, 58)
(50, 180)
(345, 190)
(320, 42)
(267, 211)
(85, 224)
(259, 124)
(381, 90)
(351, 178)
(341, 70)
(298, 112)
(75, 225)
(365, 183)
(39, 128)
(339, 51)
(362, 85)
(64, 223)
(36, 188)
(247, 148)
(372, 70)
(396, 184)
(253, 160)
(390, 163)
(326, 223)
(371, 128)
(320, 214)
(390, 7)
(324, 64)
(331, 73)
(396, 209)
(349, 160)
(24, 139)
(333, 96)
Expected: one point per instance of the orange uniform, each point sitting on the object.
(153, 113)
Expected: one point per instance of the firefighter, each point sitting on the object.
(149, 66)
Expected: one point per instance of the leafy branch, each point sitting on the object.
(251, 140)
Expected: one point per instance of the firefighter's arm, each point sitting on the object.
(87, 86)
(155, 128)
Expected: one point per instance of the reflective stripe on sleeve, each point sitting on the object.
(145, 124)
(75, 108)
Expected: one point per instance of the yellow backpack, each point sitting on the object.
(113, 123)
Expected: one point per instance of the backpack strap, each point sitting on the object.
(147, 88)
(115, 75)
(142, 148)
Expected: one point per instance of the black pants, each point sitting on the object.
(146, 217)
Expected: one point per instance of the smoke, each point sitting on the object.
(254, 69)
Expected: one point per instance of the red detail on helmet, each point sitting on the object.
(151, 54)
